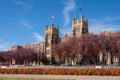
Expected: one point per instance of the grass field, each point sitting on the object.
(28, 79)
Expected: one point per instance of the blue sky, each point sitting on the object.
(23, 21)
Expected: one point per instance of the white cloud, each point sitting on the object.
(98, 28)
(109, 19)
(23, 3)
(106, 24)
(26, 24)
(6, 45)
(105, 20)
(38, 37)
(69, 6)
(66, 31)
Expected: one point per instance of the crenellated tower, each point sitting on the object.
(51, 37)
(79, 27)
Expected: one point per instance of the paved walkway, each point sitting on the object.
(68, 77)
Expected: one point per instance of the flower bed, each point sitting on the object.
(62, 71)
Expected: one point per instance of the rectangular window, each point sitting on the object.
(47, 44)
(47, 51)
(77, 29)
(48, 35)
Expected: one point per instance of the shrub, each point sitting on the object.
(62, 71)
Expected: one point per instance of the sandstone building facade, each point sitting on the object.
(79, 27)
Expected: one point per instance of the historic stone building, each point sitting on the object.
(15, 48)
(36, 47)
(111, 59)
(79, 27)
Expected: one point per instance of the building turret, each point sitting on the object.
(51, 37)
(79, 27)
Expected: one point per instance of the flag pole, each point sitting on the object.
(52, 19)
(80, 12)
(80, 9)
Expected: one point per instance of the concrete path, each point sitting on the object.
(68, 77)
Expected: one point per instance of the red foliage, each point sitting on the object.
(89, 46)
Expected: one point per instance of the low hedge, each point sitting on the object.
(62, 71)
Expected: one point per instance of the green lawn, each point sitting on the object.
(28, 79)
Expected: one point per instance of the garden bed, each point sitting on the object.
(62, 71)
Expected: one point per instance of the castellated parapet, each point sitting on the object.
(79, 27)
(51, 38)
